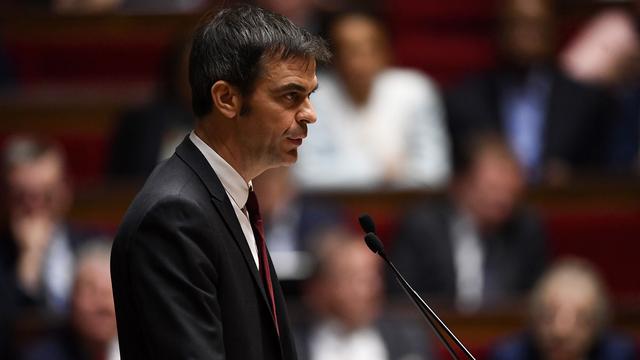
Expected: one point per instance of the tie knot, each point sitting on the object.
(252, 206)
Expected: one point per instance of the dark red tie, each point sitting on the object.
(258, 232)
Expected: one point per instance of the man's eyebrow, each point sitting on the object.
(294, 87)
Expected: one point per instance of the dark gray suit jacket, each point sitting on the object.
(515, 254)
(575, 122)
(184, 281)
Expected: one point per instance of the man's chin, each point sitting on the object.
(286, 159)
(291, 157)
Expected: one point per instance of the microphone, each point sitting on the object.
(366, 223)
(375, 245)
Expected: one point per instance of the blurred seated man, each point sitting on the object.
(568, 320)
(479, 246)
(554, 124)
(91, 331)
(378, 126)
(345, 296)
(36, 242)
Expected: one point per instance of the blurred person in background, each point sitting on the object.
(606, 52)
(480, 246)
(149, 134)
(90, 333)
(554, 124)
(568, 319)
(346, 296)
(292, 222)
(37, 243)
(379, 126)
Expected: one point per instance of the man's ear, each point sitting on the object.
(226, 98)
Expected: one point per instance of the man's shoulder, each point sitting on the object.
(173, 184)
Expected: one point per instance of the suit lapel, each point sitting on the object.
(554, 120)
(190, 154)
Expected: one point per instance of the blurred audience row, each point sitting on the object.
(475, 249)
(561, 112)
(53, 275)
(568, 316)
(384, 127)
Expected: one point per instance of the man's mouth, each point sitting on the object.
(297, 140)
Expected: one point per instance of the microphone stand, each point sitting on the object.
(374, 243)
(427, 312)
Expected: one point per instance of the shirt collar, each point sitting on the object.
(233, 183)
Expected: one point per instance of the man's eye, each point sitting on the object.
(291, 96)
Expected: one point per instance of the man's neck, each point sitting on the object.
(220, 143)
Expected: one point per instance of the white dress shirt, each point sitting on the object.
(468, 259)
(330, 341)
(57, 270)
(113, 350)
(400, 127)
(236, 188)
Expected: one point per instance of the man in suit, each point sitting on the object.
(192, 278)
(37, 244)
(345, 296)
(554, 124)
(479, 247)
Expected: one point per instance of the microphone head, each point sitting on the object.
(373, 242)
(366, 223)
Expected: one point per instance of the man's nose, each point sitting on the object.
(307, 114)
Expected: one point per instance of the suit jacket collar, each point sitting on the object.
(190, 154)
(231, 180)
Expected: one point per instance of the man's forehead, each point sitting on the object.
(300, 70)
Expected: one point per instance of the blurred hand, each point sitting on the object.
(32, 234)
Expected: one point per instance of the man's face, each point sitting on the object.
(567, 322)
(361, 50)
(279, 110)
(527, 31)
(354, 286)
(493, 187)
(38, 188)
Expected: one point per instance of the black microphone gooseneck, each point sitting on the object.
(374, 243)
